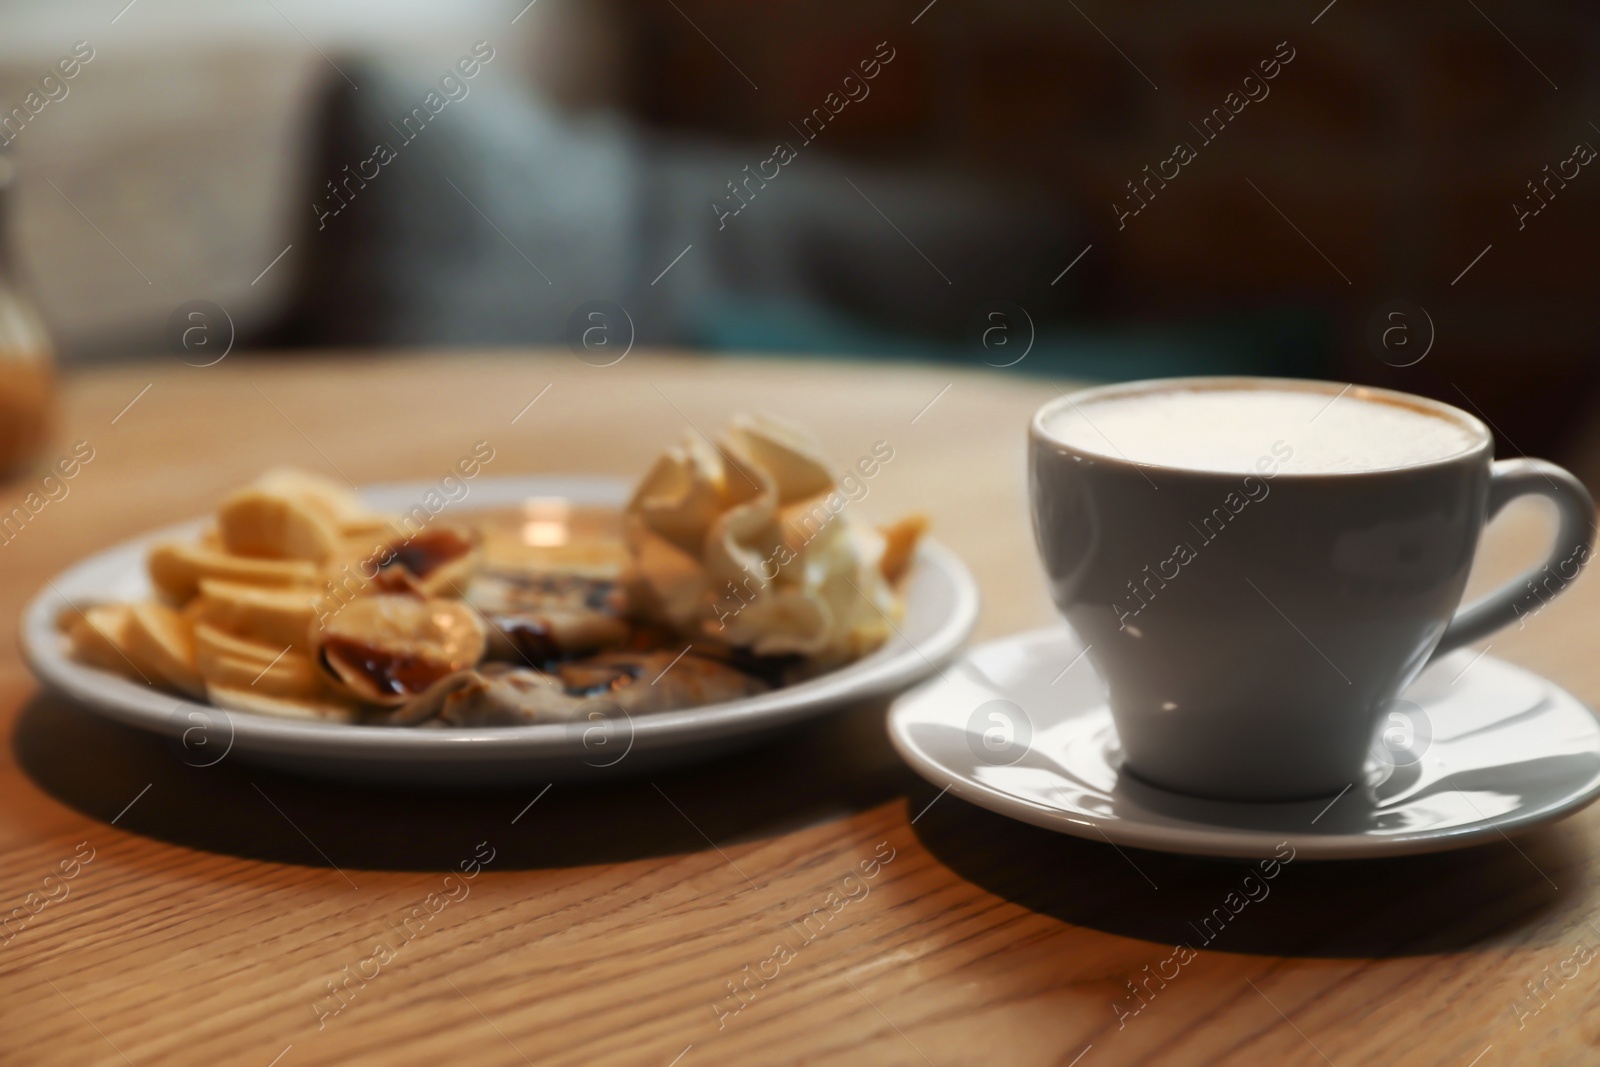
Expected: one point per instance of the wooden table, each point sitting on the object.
(611, 925)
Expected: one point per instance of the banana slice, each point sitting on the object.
(161, 643)
(386, 648)
(231, 662)
(274, 523)
(176, 570)
(328, 708)
(281, 617)
(291, 675)
(100, 637)
(336, 502)
(215, 641)
(368, 528)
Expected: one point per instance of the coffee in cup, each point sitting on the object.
(1258, 566)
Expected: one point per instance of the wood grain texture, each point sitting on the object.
(613, 924)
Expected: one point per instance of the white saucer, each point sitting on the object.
(1508, 751)
(941, 605)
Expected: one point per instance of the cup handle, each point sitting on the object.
(1509, 479)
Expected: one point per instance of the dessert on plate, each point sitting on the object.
(736, 567)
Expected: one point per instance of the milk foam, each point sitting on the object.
(1229, 430)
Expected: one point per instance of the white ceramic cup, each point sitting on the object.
(1257, 665)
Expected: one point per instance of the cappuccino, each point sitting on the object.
(1229, 429)
(1249, 643)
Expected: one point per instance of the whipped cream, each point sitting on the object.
(749, 544)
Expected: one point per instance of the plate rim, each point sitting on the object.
(1212, 841)
(123, 700)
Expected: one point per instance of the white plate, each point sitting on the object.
(941, 602)
(1508, 751)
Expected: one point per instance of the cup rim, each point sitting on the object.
(1141, 386)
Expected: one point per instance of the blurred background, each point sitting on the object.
(1387, 194)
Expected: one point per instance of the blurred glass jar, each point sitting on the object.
(27, 358)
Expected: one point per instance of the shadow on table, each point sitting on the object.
(1408, 905)
(811, 773)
